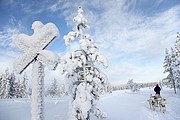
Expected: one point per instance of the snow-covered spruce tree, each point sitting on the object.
(84, 79)
(167, 68)
(12, 80)
(177, 48)
(132, 86)
(172, 65)
(136, 87)
(62, 91)
(2, 88)
(17, 89)
(23, 86)
(34, 52)
(53, 90)
(5, 85)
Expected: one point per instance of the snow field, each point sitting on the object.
(119, 105)
(19, 109)
(125, 105)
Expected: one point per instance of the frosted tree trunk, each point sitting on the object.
(37, 98)
(173, 80)
(174, 85)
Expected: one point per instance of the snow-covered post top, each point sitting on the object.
(34, 45)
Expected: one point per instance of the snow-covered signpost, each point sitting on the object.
(35, 53)
(85, 80)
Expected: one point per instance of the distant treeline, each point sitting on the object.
(11, 87)
(133, 85)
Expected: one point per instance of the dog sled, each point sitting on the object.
(157, 101)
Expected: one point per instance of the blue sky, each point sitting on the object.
(133, 34)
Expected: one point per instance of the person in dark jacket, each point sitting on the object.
(157, 89)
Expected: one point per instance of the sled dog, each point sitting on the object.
(152, 102)
(162, 104)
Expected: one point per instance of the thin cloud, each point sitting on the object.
(9, 33)
(135, 33)
(7, 51)
(7, 36)
(133, 41)
(125, 34)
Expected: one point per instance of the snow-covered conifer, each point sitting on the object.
(168, 68)
(23, 86)
(53, 91)
(177, 47)
(5, 85)
(172, 65)
(135, 87)
(17, 89)
(12, 80)
(62, 90)
(174, 68)
(3, 82)
(84, 80)
(167, 61)
(132, 85)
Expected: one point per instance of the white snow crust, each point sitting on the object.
(119, 105)
(34, 45)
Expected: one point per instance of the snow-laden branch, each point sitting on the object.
(49, 59)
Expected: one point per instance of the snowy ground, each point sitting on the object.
(119, 105)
